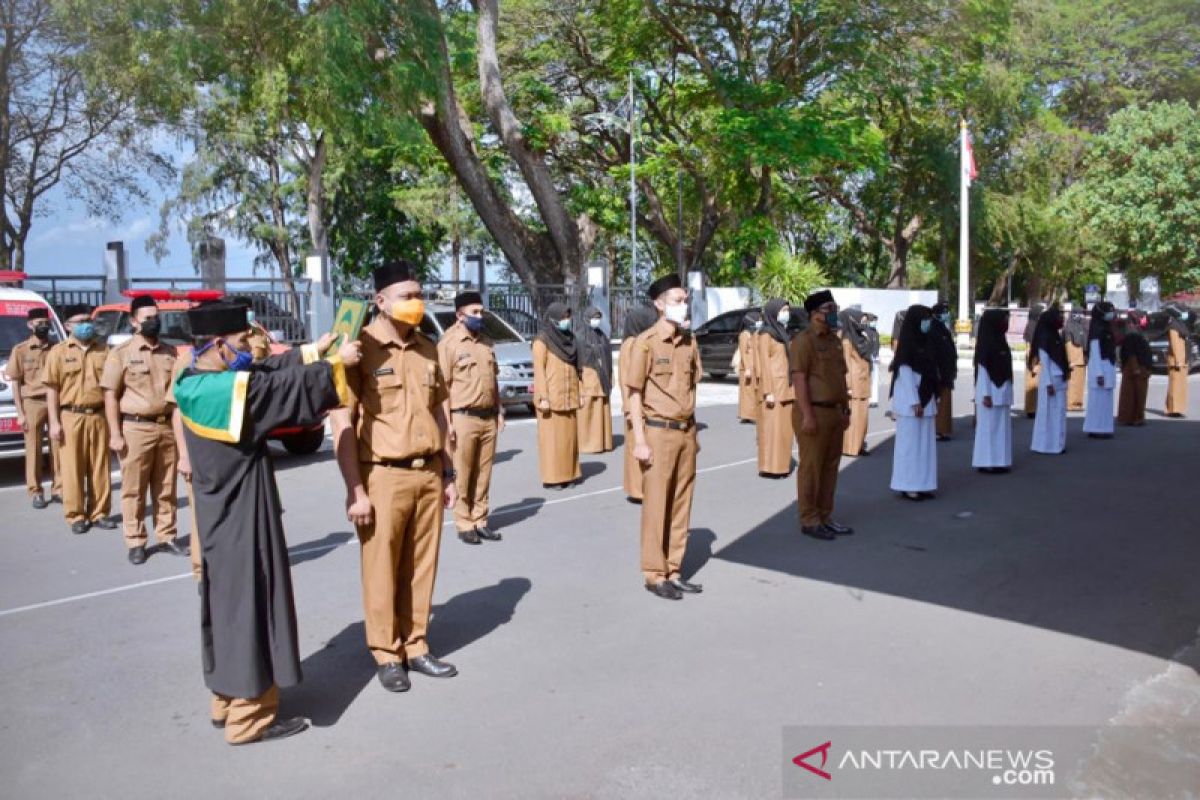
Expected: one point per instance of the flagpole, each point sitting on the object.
(964, 234)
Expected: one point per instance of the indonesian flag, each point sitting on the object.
(970, 173)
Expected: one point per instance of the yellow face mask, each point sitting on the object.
(409, 312)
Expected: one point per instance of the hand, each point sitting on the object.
(326, 341)
(808, 424)
(117, 443)
(500, 424)
(987, 402)
(845, 422)
(769, 400)
(350, 353)
(642, 453)
(22, 423)
(544, 404)
(449, 493)
(1050, 390)
(918, 409)
(452, 435)
(56, 432)
(1099, 380)
(358, 508)
(184, 467)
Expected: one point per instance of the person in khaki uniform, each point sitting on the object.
(749, 398)
(856, 350)
(638, 320)
(556, 398)
(1075, 333)
(468, 361)
(391, 442)
(664, 370)
(775, 434)
(1136, 364)
(1177, 361)
(595, 386)
(24, 372)
(75, 403)
(136, 379)
(822, 415)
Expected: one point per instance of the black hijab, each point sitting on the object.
(897, 326)
(638, 320)
(595, 350)
(944, 348)
(991, 347)
(1047, 336)
(750, 321)
(1075, 331)
(771, 326)
(1102, 330)
(855, 331)
(1175, 322)
(915, 350)
(1134, 345)
(561, 343)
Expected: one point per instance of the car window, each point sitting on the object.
(112, 321)
(430, 328)
(176, 329)
(13, 331)
(729, 322)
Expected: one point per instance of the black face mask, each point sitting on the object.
(41, 331)
(151, 327)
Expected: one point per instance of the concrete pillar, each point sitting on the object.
(210, 254)
(116, 272)
(320, 300)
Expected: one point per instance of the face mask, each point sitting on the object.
(925, 325)
(758, 325)
(473, 324)
(151, 327)
(564, 324)
(249, 317)
(409, 312)
(595, 324)
(41, 331)
(832, 321)
(1184, 316)
(84, 331)
(676, 313)
(241, 360)
(784, 318)
(871, 325)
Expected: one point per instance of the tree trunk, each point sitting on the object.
(943, 268)
(455, 259)
(281, 248)
(898, 249)
(315, 199)
(998, 295)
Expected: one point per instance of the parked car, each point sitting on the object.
(718, 338)
(14, 308)
(514, 355)
(1156, 335)
(525, 323)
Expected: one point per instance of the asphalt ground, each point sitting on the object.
(1064, 593)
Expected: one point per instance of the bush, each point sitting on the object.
(781, 274)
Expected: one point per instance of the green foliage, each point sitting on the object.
(781, 274)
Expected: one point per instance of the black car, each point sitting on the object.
(718, 338)
(1156, 334)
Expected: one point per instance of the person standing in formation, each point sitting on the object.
(75, 403)
(916, 381)
(871, 331)
(24, 372)
(822, 415)
(1101, 372)
(595, 386)
(467, 357)
(136, 381)
(638, 320)
(1050, 422)
(556, 398)
(749, 398)
(1033, 367)
(1075, 336)
(946, 353)
(993, 394)
(1136, 363)
(775, 434)
(663, 373)
(1178, 334)
(857, 353)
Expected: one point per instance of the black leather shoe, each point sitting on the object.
(80, 527)
(219, 724)
(943, 438)
(469, 537)
(56, 498)
(137, 555)
(838, 529)
(484, 532)
(281, 729)
(428, 665)
(393, 678)
(685, 587)
(39, 502)
(664, 590)
(926, 495)
(817, 532)
(105, 523)
(176, 548)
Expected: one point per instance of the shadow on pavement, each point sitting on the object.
(506, 455)
(699, 551)
(1099, 542)
(517, 512)
(468, 617)
(311, 551)
(333, 677)
(591, 469)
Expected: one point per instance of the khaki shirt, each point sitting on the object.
(468, 364)
(394, 391)
(665, 368)
(140, 375)
(774, 370)
(554, 380)
(747, 356)
(624, 359)
(25, 367)
(75, 371)
(858, 376)
(819, 358)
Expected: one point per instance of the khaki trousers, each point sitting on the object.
(1177, 378)
(775, 437)
(594, 421)
(400, 558)
(820, 455)
(667, 486)
(856, 435)
(1031, 389)
(945, 412)
(246, 718)
(474, 454)
(1076, 385)
(87, 487)
(194, 540)
(37, 430)
(633, 470)
(1131, 406)
(148, 465)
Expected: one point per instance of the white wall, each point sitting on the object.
(884, 303)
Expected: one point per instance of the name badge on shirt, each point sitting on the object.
(384, 371)
(662, 361)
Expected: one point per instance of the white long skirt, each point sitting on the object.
(993, 437)
(1050, 424)
(914, 459)
(1099, 415)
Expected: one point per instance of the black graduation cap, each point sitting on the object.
(394, 272)
(141, 301)
(467, 298)
(216, 319)
(38, 312)
(664, 284)
(76, 309)
(817, 299)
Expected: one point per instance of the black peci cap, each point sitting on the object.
(467, 298)
(664, 284)
(394, 272)
(817, 299)
(217, 319)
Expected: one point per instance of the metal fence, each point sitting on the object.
(275, 308)
(523, 309)
(61, 291)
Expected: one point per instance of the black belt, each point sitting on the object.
(481, 413)
(671, 424)
(407, 463)
(83, 409)
(161, 419)
(825, 405)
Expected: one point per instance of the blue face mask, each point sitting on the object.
(241, 361)
(249, 317)
(473, 324)
(564, 324)
(832, 321)
(925, 325)
(84, 331)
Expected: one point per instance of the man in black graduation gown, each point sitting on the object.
(227, 405)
